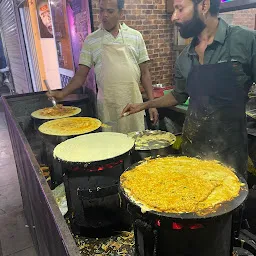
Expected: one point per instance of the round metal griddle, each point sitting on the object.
(87, 165)
(56, 139)
(34, 114)
(224, 208)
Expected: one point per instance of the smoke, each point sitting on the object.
(223, 141)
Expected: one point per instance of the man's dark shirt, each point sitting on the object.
(240, 42)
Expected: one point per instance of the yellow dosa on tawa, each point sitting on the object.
(70, 126)
(93, 147)
(180, 185)
(56, 112)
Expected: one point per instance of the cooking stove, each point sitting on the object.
(195, 240)
(188, 234)
(94, 206)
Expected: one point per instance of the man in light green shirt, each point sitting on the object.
(119, 56)
(91, 54)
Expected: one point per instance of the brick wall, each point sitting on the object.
(244, 18)
(150, 18)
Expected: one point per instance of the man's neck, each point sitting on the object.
(115, 30)
(208, 34)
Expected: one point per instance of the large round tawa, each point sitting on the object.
(70, 126)
(93, 147)
(55, 112)
(182, 187)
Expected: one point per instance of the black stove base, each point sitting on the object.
(242, 252)
(245, 245)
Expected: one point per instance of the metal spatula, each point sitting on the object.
(113, 122)
(49, 90)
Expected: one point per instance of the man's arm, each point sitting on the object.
(147, 85)
(146, 80)
(77, 81)
(179, 92)
(177, 96)
(165, 101)
(145, 76)
(85, 64)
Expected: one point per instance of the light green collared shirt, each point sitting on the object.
(240, 42)
(92, 47)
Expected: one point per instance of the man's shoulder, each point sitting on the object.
(242, 33)
(93, 36)
(130, 30)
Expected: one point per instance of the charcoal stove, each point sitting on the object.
(92, 189)
(162, 234)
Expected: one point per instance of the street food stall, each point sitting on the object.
(89, 192)
(85, 211)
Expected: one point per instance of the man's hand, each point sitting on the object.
(153, 114)
(76, 82)
(133, 108)
(58, 95)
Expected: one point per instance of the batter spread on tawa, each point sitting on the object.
(57, 112)
(93, 147)
(70, 126)
(180, 185)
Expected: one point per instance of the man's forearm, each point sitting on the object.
(162, 102)
(147, 85)
(75, 83)
(146, 81)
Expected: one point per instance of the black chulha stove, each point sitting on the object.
(187, 234)
(92, 196)
(192, 238)
(49, 142)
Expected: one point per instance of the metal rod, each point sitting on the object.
(49, 90)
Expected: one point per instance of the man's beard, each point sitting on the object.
(191, 28)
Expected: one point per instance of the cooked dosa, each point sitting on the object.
(57, 112)
(70, 126)
(181, 185)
